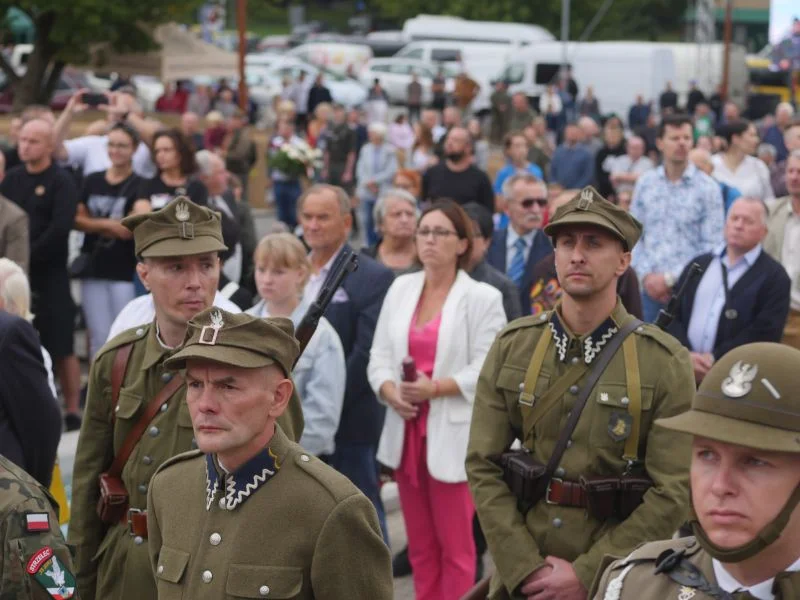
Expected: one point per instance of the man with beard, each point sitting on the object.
(457, 177)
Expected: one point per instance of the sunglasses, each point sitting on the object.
(529, 202)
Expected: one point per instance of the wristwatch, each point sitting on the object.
(669, 279)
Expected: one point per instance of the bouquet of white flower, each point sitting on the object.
(297, 158)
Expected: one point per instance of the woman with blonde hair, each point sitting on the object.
(316, 126)
(282, 270)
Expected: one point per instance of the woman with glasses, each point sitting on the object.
(106, 264)
(395, 216)
(445, 321)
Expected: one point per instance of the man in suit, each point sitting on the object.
(30, 421)
(516, 249)
(783, 243)
(742, 297)
(324, 212)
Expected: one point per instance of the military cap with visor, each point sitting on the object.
(748, 398)
(181, 228)
(588, 207)
(239, 340)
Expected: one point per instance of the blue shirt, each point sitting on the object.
(681, 220)
(572, 168)
(319, 378)
(709, 300)
(508, 170)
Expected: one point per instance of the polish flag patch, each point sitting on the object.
(35, 522)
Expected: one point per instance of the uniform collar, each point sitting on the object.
(240, 485)
(154, 351)
(591, 344)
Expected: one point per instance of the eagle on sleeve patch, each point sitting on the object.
(49, 572)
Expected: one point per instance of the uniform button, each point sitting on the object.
(625, 401)
(543, 317)
(116, 409)
(559, 472)
(521, 386)
(575, 360)
(140, 331)
(573, 390)
(215, 539)
(264, 590)
(153, 431)
(569, 443)
(165, 377)
(160, 569)
(207, 576)
(138, 540)
(142, 488)
(640, 329)
(569, 414)
(557, 523)
(164, 407)
(148, 460)
(304, 457)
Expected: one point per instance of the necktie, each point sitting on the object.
(517, 267)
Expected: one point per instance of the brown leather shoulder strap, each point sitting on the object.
(118, 369)
(138, 430)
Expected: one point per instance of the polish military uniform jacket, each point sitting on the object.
(635, 577)
(35, 562)
(283, 525)
(111, 563)
(519, 540)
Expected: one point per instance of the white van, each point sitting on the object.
(617, 72)
(444, 27)
(336, 56)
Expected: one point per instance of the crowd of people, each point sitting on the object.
(462, 234)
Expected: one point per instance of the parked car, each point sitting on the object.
(395, 74)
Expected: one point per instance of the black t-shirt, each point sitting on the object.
(471, 185)
(160, 194)
(111, 258)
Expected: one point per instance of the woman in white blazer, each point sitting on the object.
(446, 322)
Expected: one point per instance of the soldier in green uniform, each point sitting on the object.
(250, 514)
(745, 485)
(35, 563)
(178, 249)
(532, 378)
(340, 151)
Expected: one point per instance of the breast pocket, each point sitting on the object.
(509, 380)
(611, 420)
(255, 581)
(170, 573)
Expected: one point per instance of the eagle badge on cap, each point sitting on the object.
(586, 199)
(182, 212)
(738, 381)
(686, 593)
(213, 329)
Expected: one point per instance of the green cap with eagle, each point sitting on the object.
(181, 228)
(748, 398)
(590, 208)
(240, 340)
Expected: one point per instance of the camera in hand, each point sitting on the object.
(94, 99)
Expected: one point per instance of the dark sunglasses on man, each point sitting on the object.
(529, 202)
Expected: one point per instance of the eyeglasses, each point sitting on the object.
(529, 202)
(436, 233)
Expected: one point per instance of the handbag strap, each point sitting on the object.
(599, 366)
(135, 434)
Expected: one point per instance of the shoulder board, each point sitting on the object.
(126, 337)
(662, 337)
(525, 322)
(337, 485)
(650, 551)
(179, 458)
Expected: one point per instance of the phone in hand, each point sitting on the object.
(94, 99)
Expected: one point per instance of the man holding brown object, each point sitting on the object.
(604, 459)
(130, 391)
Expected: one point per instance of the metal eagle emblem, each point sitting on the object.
(587, 197)
(182, 212)
(738, 382)
(213, 329)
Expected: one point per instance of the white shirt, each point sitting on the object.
(142, 311)
(315, 282)
(762, 591)
(90, 154)
(751, 178)
(790, 255)
(511, 239)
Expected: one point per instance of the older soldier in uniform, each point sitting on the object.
(35, 563)
(745, 483)
(534, 378)
(250, 514)
(178, 248)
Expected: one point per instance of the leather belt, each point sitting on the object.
(135, 519)
(566, 493)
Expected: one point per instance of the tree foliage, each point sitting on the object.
(67, 29)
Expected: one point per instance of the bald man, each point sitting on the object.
(701, 158)
(49, 196)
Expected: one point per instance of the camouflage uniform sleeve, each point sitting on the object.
(18, 547)
(94, 454)
(667, 464)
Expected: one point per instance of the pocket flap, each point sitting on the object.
(616, 395)
(509, 378)
(253, 581)
(171, 564)
(128, 404)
